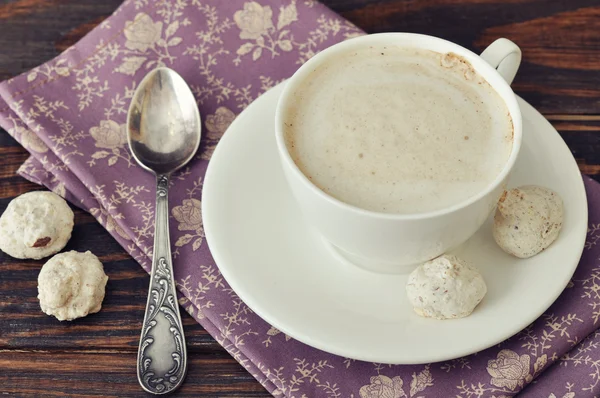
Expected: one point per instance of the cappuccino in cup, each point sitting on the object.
(399, 130)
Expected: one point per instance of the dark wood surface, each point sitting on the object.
(39, 356)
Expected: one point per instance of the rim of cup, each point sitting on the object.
(500, 86)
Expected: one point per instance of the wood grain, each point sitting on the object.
(79, 373)
(23, 7)
(94, 356)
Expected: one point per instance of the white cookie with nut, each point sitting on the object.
(71, 285)
(35, 225)
(446, 287)
(528, 220)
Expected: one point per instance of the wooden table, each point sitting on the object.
(560, 76)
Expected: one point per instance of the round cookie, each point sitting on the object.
(528, 219)
(35, 225)
(445, 288)
(71, 285)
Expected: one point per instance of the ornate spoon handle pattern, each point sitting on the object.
(162, 356)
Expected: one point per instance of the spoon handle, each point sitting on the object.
(162, 355)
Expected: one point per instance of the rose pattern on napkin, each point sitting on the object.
(509, 370)
(70, 114)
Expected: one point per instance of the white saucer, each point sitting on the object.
(283, 271)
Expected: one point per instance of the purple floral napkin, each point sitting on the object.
(70, 112)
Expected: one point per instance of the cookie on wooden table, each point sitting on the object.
(528, 220)
(445, 288)
(71, 285)
(35, 225)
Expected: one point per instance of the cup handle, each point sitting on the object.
(505, 57)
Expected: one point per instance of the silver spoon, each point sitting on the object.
(163, 130)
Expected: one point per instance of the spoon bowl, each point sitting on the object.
(163, 123)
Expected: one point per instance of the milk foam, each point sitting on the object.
(398, 130)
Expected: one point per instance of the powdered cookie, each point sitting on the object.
(71, 285)
(445, 288)
(528, 220)
(35, 225)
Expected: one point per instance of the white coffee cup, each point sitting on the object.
(394, 243)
